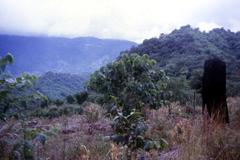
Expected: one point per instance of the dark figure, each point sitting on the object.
(214, 90)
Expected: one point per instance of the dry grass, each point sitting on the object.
(68, 138)
(193, 137)
(81, 137)
(210, 141)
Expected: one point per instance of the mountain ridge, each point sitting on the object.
(37, 55)
(185, 50)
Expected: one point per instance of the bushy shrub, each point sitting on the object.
(180, 90)
(129, 84)
(132, 82)
(45, 102)
(81, 97)
(70, 99)
(58, 102)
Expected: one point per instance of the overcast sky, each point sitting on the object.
(122, 19)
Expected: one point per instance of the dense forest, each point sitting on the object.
(59, 85)
(184, 50)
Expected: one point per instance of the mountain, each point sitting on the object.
(59, 85)
(184, 51)
(71, 55)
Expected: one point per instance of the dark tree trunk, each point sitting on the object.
(214, 90)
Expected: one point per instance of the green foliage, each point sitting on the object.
(95, 97)
(130, 83)
(196, 80)
(180, 90)
(60, 85)
(184, 51)
(22, 150)
(30, 134)
(77, 98)
(70, 99)
(129, 130)
(28, 150)
(4, 61)
(81, 97)
(45, 102)
(11, 87)
(58, 102)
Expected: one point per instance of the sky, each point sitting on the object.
(133, 20)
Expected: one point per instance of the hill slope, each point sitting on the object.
(76, 55)
(184, 51)
(59, 85)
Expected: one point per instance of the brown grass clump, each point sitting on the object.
(93, 112)
(181, 132)
(159, 123)
(212, 141)
(194, 137)
(115, 151)
(234, 111)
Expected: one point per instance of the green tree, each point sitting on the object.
(81, 97)
(130, 83)
(8, 84)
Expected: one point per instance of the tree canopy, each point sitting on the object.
(132, 81)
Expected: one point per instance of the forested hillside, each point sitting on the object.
(42, 54)
(59, 85)
(183, 51)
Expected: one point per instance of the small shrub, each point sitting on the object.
(30, 134)
(28, 150)
(70, 99)
(44, 102)
(58, 102)
(53, 112)
(181, 131)
(81, 97)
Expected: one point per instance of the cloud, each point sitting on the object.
(126, 19)
(207, 26)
